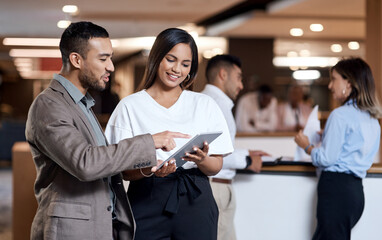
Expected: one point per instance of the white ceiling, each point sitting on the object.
(343, 20)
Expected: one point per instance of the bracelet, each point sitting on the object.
(307, 147)
(145, 174)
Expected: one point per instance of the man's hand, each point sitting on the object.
(258, 153)
(256, 164)
(165, 140)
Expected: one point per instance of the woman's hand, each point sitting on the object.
(208, 164)
(301, 140)
(168, 168)
(199, 155)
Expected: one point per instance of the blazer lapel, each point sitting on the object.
(56, 86)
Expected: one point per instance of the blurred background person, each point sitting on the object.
(292, 115)
(257, 111)
(350, 142)
(224, 77)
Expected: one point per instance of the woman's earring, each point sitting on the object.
(344, 91)
(188, 77)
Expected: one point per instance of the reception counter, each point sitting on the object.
(279, 203)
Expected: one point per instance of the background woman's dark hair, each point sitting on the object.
(359, 75)
(75, 39)
(164, 42)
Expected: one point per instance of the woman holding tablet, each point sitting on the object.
(350, 141)
(179, 205)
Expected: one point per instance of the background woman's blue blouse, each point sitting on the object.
(350, 141)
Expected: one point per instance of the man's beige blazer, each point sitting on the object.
(72, 194)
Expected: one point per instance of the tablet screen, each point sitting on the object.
(196, 141)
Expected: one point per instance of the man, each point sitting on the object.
(224, 79)
(79, 188)
(293, 114)
(257, 111)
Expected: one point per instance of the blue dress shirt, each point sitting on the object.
(350, 141)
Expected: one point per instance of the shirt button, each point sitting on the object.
(109, 208)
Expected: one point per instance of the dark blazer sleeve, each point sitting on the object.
(56, 128)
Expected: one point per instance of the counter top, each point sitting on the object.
(375, 169)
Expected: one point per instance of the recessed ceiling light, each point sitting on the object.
(70, 9)
(306, 74)
(292, 54)
(63, 23)
(48, 42)
(305, 53)
(353, 45)
(208, 54)
(304, 61)
(39, 53)
(336, 48)
(316, 27)
(296, 32)
(293, 68)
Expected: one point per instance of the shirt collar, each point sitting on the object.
(74, 92)
(220, 94)
(350, 102)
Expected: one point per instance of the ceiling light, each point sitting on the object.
(306, 74)
(48, 42)
(48, 53)
(336, 48)
(296, 32)
(304, 61)
(137, 43)
(217, 51)
(63, 23)
(316, 27)
(293, 68)
(353, 45)
(70, 9)
(304, 53)
(292, 54)
(208, 54)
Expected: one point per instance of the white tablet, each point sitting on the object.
(197, 141)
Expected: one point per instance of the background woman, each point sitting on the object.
(179, 205)
(350, 141)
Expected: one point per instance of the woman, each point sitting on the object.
(179, 205)
(350, 141)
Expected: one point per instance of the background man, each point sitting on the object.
(257, 111)
(224, 79)
(293, 114)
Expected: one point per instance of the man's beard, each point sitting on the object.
(89, 81)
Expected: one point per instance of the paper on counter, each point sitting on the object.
(311, 128)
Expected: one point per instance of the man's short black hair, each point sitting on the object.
(264, 89)
(75, 38)
(220, 61)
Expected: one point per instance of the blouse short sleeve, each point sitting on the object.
(118, 126)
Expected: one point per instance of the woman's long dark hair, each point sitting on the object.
(359, 75)
(164, 42)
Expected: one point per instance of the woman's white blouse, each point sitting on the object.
(191, 114)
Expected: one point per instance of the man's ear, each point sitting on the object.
(75, 59)
(223, 74)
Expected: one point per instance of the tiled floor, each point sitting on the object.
(5, 203)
